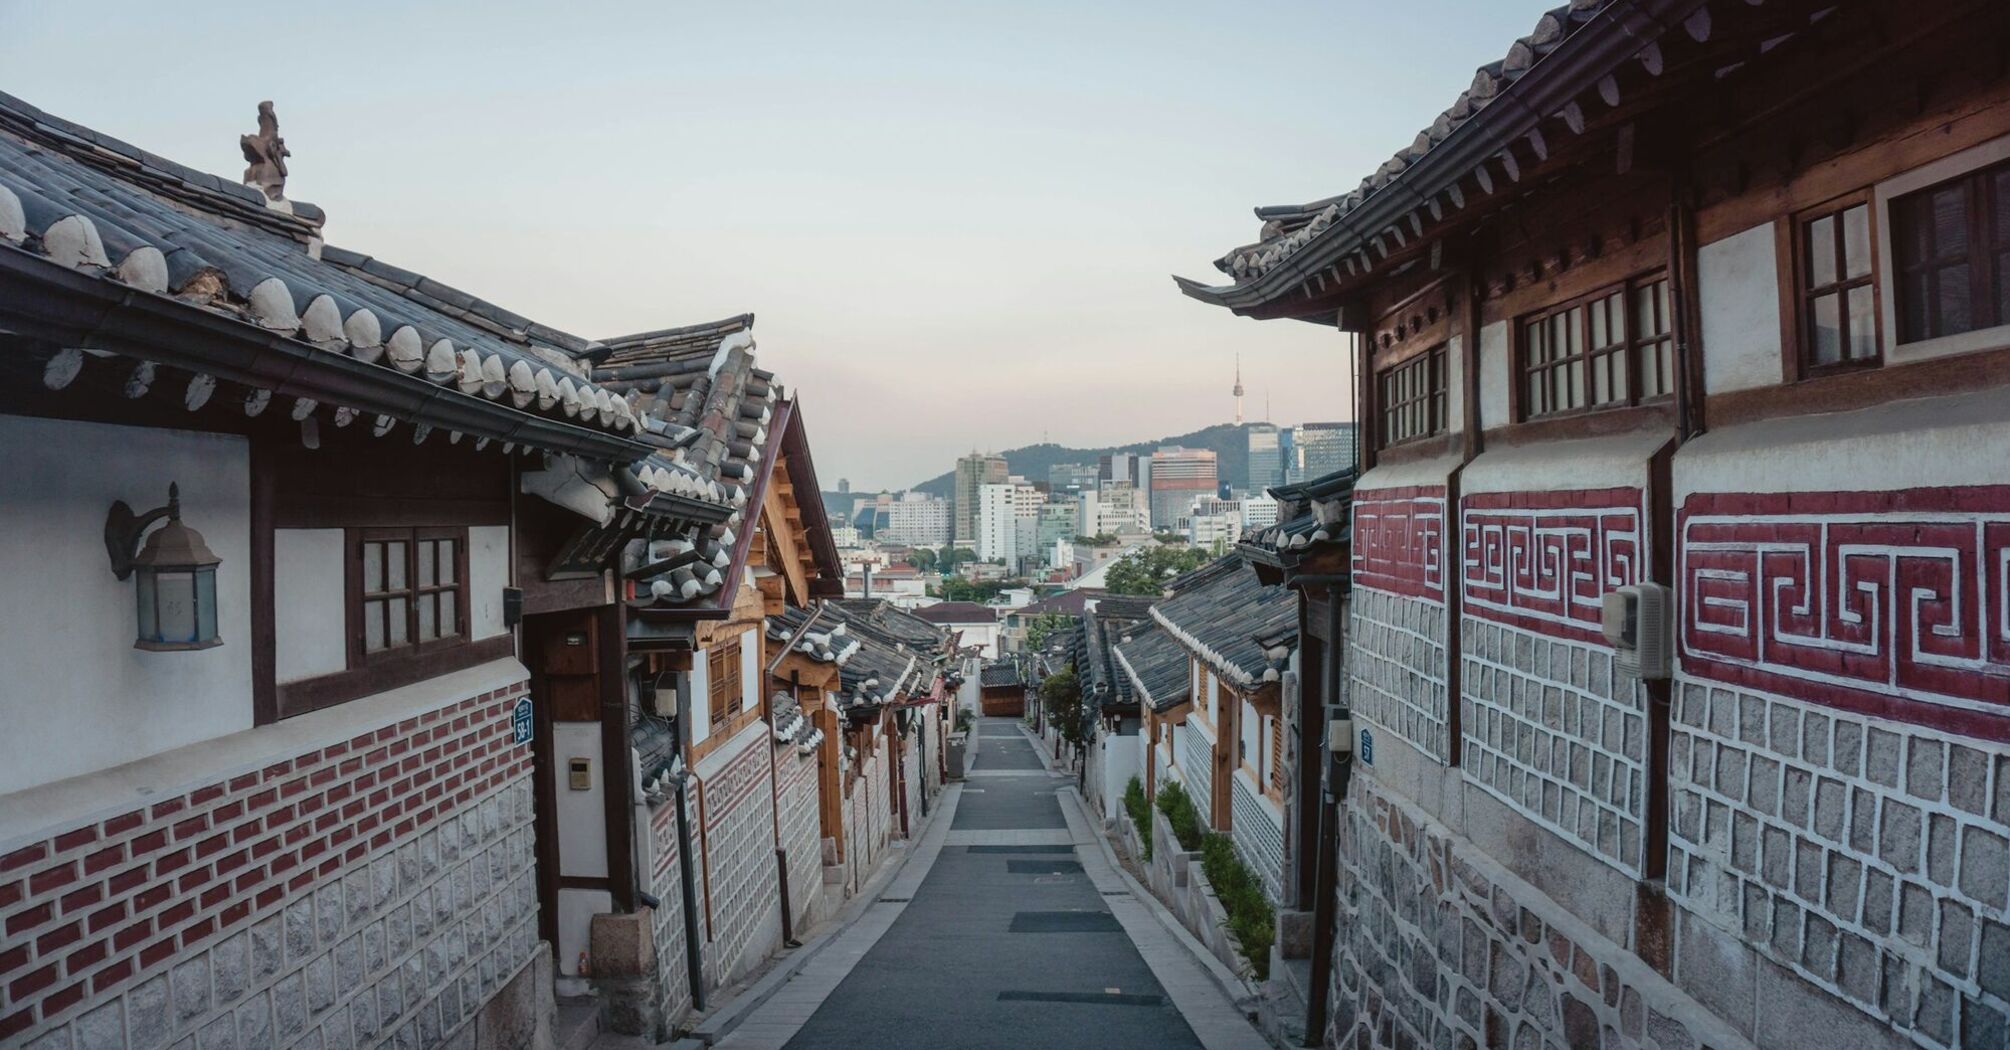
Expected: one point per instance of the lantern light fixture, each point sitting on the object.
(174, 576)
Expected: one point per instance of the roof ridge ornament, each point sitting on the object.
(265, 154)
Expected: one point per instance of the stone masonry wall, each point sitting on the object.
(1550, 729)
(1870, 857)
(377, 890)
(737, 796)
(1440, 947)
(1257, 829)
(1396, 666)
(796, 807)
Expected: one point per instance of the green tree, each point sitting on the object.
(1061, 694)
(922, 558)
(1144, 572)
(1041, 627)
(958, 589)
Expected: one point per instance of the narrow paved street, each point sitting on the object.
(1012, 930)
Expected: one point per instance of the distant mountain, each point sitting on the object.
(1229, 442)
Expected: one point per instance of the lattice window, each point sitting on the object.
(1951, 248)
(1837, 274)
(412, 589)
(1413, 397)
(1611, 348)
(722, 664)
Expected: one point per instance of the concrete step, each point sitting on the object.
(578, 1023)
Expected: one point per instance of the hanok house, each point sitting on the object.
(1225, 745)
(1001, 691)
(728, 790)
(871, 680)
(1112, 754)
(293, 512)
(1688, 321)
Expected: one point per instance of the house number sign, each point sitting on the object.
(520, 721)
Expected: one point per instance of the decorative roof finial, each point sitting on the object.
(266, 154)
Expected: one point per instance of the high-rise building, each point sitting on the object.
(1266, 456)
(1259, 511)
(918, 520)
(972, 472)
(1056, 523)
(1067, 479)
(1178, 475)
(1008, 521)
(1319, 449)
(1114, 510)
(1121, 468)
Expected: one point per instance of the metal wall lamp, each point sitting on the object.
(175, 576)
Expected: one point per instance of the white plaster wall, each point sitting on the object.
(701, 698)
(1961, 439)
(576, 909)
(1431, 471)
(1455, 393)
(1587, 463)
(309, 628)
(488, 574)
(77, 696)
(1496, 377)
(750, 670)
(1121, 759)
(582, 815)
(1738, 281)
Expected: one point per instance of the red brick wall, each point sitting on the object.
(91, 910)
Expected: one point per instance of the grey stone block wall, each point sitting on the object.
(1869, 857)
(1396, 666)
(1195, 770)
(1552, 730)
(402, 951)
(796, 803)
(740, 877)
(1440, 947)
(1257, 829)
(666, 884)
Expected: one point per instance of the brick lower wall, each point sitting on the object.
(737, 797)
(377, 888)
(1440, 946)
(1870, 857)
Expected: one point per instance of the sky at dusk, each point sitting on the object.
(955, 222)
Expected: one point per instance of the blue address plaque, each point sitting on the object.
(521, 724)
(1367, 748)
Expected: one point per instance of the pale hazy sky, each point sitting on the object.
(954, 221)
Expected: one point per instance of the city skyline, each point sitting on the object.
(853, 153)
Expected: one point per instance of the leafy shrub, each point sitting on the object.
(1251, 919)
(1140, 810)
(1180, 813)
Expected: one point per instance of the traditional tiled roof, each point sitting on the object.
(957, 612)
(884, 668)
(1066, 603)
(710, 412)
(102, 207)
(1221, 616)
(1313, 512)
(1126, 606)
(999, 674)
(1549, 87)
(896, 623)
(1156, 665)
(1094, 640)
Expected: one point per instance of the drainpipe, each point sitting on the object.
(688, 876)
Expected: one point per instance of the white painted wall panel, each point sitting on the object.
(1495, 376)
(309, 632)
(582, 815)
(750, 670)
(77, 696)
(488, 574)
(701, 698)
(1738, 281)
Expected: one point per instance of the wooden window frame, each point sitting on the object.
(1801, 340)
(369, 673)
(1630, 349)
(722, 664)
(1434, 396)
(356, 600)
(1986, 258)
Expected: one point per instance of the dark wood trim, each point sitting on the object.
(352, 542)
(1653, 912)
(584, 882)
(1367, 431)
(1471, 440)
(264, 611)
(617, 788)
(313, 694)
(544, 789)
(1628, 347)
(1934, 377)
(1449, 531)
(1685, 307)
(296, 510)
